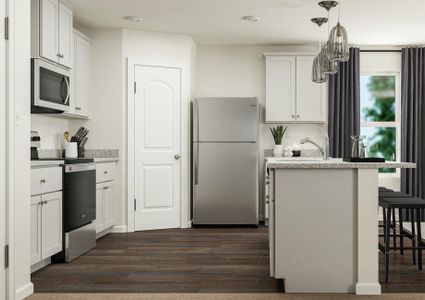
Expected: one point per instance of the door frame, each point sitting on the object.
(185, 221)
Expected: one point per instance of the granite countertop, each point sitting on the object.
(105, 159)
(333, 163)
(46, 163)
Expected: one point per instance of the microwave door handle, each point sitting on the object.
(68, 90)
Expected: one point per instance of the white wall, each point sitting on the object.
(19, 144)
(381, 62)
(108, 122)
(51, 130)
(107, 103)
(239, 71)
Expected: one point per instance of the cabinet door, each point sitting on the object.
(280, 88)
(82, 75)
(35, 229)
(51, 224)
(49, 11)
(311, 96)
(108, 204)
(100, 226)
(65, 35)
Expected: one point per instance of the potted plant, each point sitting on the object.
(278, 132)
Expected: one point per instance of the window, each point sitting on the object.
(380, 115)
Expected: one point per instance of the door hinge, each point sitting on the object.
(135, 204)
(135, 87)
(6, 256)
(6, 28)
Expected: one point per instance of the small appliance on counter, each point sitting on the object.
(80, 139)
(359, 151)
(35, 144)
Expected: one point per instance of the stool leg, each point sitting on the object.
(412, 221)
(419, 237)
(394, 230)
(387, 243)
(400, 229)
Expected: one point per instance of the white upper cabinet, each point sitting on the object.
(51, 31)
(65, 35)
(291, 96)
(311, 96)
(280, 88)
(80, 78)
(49, 25)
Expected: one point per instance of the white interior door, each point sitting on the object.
(3, 215)
(157, 147)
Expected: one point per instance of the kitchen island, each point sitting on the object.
(323, 224)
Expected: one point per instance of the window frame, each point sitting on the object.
(394, 124)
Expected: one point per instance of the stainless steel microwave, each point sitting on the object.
(50, 87)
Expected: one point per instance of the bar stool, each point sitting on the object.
(413, 206)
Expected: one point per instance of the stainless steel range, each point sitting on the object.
(79, 209)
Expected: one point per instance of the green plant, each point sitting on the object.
(278, 132)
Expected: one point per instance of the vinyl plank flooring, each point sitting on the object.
(199, 260)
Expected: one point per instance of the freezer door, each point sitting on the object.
(225, 183)
(225, 119)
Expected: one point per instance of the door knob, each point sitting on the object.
(177, 156)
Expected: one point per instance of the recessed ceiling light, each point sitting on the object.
(251, 18)
(133, 18)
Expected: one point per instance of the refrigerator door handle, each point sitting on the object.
(196, 163)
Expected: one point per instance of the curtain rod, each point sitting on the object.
(395, 51)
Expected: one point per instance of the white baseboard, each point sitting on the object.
(41, 264)
(368, 289)
(187, 224)
(119, 229)
(24, 291)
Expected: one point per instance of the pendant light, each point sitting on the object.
(338, 41)
(317, 74)
(329, 67)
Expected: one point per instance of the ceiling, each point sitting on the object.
(368, 22)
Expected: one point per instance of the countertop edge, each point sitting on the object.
(339, 165)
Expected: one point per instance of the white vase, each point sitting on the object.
(277, 150)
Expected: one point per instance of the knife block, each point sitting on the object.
(81, 151)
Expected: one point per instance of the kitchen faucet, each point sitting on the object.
(324, 150)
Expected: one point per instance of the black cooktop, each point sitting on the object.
(69, 161)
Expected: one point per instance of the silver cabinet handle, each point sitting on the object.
(293, 116)
(45, 202)
(78, 108)
(298, 116)
(43, 181)
(42, 202)
(59, 55)
(106, 187)
(105, 172)
(177, 156)
(68, 91)
(267, 182)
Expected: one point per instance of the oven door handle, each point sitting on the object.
(79, 168)
(68, 91)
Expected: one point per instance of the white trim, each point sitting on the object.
(41, 264)
(24, 291)
(397, 122)
(119, 229)
(185, 134)
(368, 289)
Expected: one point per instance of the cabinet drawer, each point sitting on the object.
(46, 180)
(105, 172)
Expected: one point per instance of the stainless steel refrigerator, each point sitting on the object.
(225, 161)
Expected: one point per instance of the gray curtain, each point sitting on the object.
(344, 106)
(413, 119)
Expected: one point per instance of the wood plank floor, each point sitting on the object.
(188, 260)
(213, 260)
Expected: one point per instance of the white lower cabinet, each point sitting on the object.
(105, 201)
(46, 226)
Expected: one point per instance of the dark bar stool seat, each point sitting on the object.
(412, 205)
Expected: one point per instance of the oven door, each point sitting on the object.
(50, 87)
(80, 195)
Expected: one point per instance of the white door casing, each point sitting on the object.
(157, 147)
